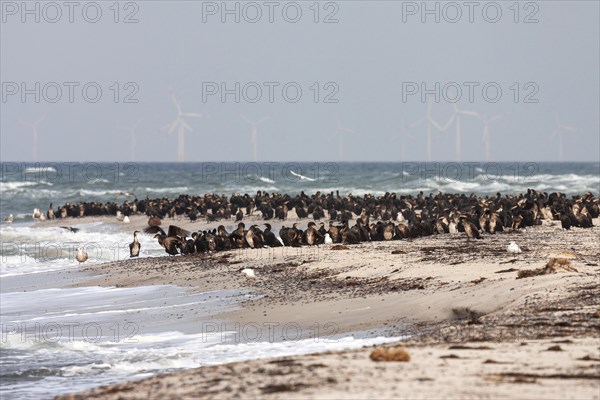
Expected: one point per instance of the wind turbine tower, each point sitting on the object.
(458, 113)
(560, 131)
(34, 130)
(341, 131)
(253, 138)
(133, 138)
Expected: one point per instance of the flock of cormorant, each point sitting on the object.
(378, 218)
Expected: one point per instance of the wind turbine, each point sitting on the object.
(181, 126)
(457, 114)
(341, 131)
(486, 131)
(132, 137)
(254, 132)
(34, 126)
(560, 129)
(404, 133)
(431, 123)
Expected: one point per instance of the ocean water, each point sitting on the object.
(24, 187)
(58, 338)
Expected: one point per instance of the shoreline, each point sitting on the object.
(437, 285)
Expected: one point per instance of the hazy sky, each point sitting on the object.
(366, 62)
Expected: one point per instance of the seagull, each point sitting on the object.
(81, 255)
(513, 248)
(36, 213)
(120, 216)
(124, 194)
(249, 273)
(302, 177)
(126, 220)
(9, 219)
(328, 239)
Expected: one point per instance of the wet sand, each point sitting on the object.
(440, 290)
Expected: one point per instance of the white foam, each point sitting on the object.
(28, 249)
(177, 190)
(266, 180)
(39, 169)
(98, 180)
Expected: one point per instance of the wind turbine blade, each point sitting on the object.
(171, 126)
(470, 113)
(445, 127)
(568, 128)
(242, 116)
(417, 123)
(556, 119)
(494, 118)
(435, 124)
(185, 125)
(195, 115)
(40, 119)
(176, 104)
(347, 130)
(168, 126)
(260, 121)
(450, 121)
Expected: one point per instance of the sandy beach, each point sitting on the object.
(472, 328)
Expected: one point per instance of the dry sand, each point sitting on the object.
(440, 289)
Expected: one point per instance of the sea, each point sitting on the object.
(60, 337)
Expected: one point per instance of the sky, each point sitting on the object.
(338, 81)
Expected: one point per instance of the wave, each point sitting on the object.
(39, 169)
(177, 190)
(86, 364)
(266, 180)
(21, 185)
(98, 180)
